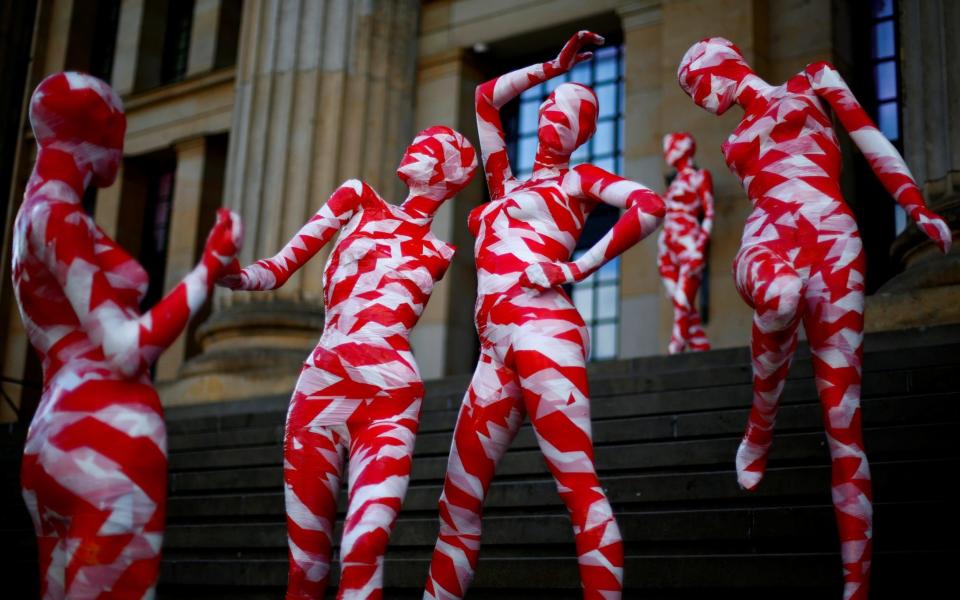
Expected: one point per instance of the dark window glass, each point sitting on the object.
(881, 8)
(887, 114)
(885, 56)
(176, 40)
(90, 200)
(156, 228)
(104, 38)
(883, 40)
(886, 80)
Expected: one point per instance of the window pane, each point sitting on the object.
(886, 74)
(887, 120)
(605, 52)
(553, 83)
(607, 95)
(881, 8)
(581, 73)
(606, 68)
(603, 139)
(605, 342)
(580, 155)
(608, 302)
(529, 114)
(607, 164)
(609, 271)
(534, 93)
(90, 200)
(883, 46)
(176, 43)
(899, 219)
(583, 300)
(526, 152)
(589, 281)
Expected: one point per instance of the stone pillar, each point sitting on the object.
(197, 183)
(656, 34)
(926, 290)
(323, 94)
(213, 36)
(203, 36)
(128, 39)
(641, 293)
(50, 32)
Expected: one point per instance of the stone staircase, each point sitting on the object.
(666, 429)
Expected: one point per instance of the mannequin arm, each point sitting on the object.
(884, 159)
(272, 273)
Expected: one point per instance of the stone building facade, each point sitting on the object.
(266, 105)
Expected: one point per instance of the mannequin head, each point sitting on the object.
(711, 73)
(568, 118)
(439, 163)
(678, 149)
(82, 116)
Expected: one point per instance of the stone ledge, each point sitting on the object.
(913, 308)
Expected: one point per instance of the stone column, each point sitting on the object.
(641, 294)
(925, 292)
(197, 183)
(139, 50)
(213, 35)
(323, 94)
(656, 35)
(47, 35)
(203, 36)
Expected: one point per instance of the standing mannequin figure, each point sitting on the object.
(683, 241)
(94, 471)
(359, 393)
(534, 343)
(801, 258)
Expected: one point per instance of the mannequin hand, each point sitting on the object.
(540, 277)
(935, 227)
(571, 55)
(232, 276)
(225, 238)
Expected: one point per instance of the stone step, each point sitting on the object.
(817, 572)
(262, 446)
(893, 481)
(620, 379)
(913, 441)
(873, 343)
(628, 402)
(901, 526)
(624, 397)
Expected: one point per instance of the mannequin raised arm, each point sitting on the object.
(884, 159)
(272, 273)
(492, 95)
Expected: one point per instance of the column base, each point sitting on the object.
(887, 311)
(250, 350)
(927, 291)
